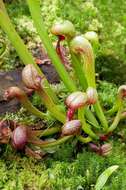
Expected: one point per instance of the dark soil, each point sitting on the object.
(13, 78)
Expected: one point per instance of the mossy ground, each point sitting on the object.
(69, 168)
(63, 170)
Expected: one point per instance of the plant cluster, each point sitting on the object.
(81, 116)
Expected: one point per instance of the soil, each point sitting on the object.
(13, 78)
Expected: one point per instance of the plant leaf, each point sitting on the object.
(104, 176)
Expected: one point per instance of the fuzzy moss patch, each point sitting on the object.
(64, 172)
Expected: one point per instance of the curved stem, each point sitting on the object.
(112, 110)
(20, 47)
(35, 10)
(56, 112)
(84, 139)
(89, 69)
(115, 107)
(46, 132)
(46, 144)
(115, 122)
(79, 71)
(86, 127)
(101, 115)
(32, 109)
(2, 7)
(59, 51)
(91, 118)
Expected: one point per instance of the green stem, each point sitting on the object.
(46, 144)
(115, 107)
(95, 47)
(112, 110)
(86, 127)
(55, 111)
(89, 68)
(79, 71)
(50, 131)
(84, 139)
(35, 10)
(2, 7)
(115, 122)
(20, 47)
(91, 118)
(46, 132)
(100, 115)
(28, 105)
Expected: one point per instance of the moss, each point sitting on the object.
(107, 93)
(58, 173)
(113, 33)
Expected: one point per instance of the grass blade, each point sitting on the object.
(104, 177)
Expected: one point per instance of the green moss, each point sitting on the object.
(56, 173)
(113, 33)
(107, 93)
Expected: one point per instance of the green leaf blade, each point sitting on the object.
(102, 179)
